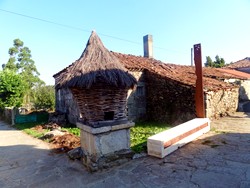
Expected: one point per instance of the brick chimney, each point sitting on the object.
(148, 46)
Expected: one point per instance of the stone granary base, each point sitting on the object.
(107, 146)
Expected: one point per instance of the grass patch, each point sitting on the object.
(27, 128)
(34, 133)
(141, 131)
(73, 130)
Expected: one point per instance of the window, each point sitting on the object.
(59, 94)
(109, 115)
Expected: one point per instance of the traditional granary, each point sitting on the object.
(99, 84)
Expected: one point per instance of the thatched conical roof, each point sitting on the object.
(96, 64)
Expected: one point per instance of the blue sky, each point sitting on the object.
(221, 26)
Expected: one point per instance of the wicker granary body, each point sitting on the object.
(99, 106)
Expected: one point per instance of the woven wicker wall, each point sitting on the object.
(95, 102)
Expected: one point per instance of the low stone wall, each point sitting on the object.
(222, 102)
(8, 115)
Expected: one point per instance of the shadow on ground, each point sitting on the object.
(220, 158)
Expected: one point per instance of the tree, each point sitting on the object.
(20, 61)
(12, 89)
(209, 62)
(44, 97)
(219, 62)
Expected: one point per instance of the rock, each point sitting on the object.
(53, 133)
(125, 153)
(139, 155)
(59, 118)
(52, 126)
(76, 153)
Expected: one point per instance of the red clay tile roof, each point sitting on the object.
(240, 64)
(237, 74)
(183, 74)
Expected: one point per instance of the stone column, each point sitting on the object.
(107, 146)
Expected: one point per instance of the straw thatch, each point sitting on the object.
(96, 65)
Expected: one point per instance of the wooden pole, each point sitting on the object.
(199, 93)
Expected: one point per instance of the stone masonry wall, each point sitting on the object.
(168, 100)
(244, 90)
(136, 101)
(65, 103)
(220, 103)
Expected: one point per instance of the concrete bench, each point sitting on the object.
(166, 142)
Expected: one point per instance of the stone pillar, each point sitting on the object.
(107, 146)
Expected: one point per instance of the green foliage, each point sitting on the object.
(44, 97)
(12, 89)
(74, 130)
(141, 131)
(34, 133)
(20, 62)
(219, 62)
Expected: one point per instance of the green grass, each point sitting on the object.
(27, 128)
(74, 130)
(141, 131)
(34, 133)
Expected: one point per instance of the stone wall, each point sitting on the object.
(8, 115)
(222, 102)
(244, 90)
(168, 100)
(244, 69)
(136, 101)
(66, 104)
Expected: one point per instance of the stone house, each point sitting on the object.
(241, 65)
(164, 92)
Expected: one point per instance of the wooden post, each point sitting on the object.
(199, 94)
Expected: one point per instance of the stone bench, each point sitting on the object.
(166, 142)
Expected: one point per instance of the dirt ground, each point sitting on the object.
(60, 143)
